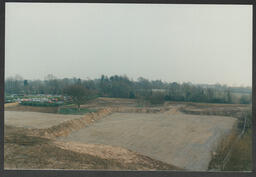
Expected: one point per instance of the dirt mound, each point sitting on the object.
(183, 140)
(119, 154)
(68, 126)
(29, 152)
(63, 129)
(172, 110)
(8, 105)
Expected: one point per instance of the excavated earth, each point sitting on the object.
(155, 137)
(35, 119)
(186, 141)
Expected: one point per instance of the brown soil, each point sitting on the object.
(8, 105)
(183, 140)
(35, 119)
(34, 149)
(119, 154)
(55, 125)
(67, 127)
(28, 152)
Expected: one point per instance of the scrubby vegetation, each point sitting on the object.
(157, 98)
(234, 152)
(241, 154)
(79, 94)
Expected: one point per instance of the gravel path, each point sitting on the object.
(35, 119)
(182, 140)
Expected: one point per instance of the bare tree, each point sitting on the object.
(79, 94)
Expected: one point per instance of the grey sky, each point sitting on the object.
(196, 43)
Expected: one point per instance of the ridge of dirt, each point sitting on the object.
(182, 140)
(122, 155)
(108, 158)
(66, 127)
(8, 105)
(63, 129)
(23, 151)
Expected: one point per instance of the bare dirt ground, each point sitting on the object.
(35, 119)
(183, 140)
(123, 136)
(23, 151)
(8, 105)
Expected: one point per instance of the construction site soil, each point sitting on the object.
(123, 137)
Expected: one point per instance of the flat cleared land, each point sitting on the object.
(35, 119)
(179, 139)
(23, 151)
(120, 136)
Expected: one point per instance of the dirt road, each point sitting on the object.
(183, 140)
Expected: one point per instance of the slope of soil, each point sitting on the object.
(241, 156)
(28, 152)
(9, 105)
(162, 133)
(183, 140)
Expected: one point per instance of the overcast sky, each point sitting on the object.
(181, 43)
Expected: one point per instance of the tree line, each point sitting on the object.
(116, 86)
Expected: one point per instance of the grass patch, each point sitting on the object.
(75, 111)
